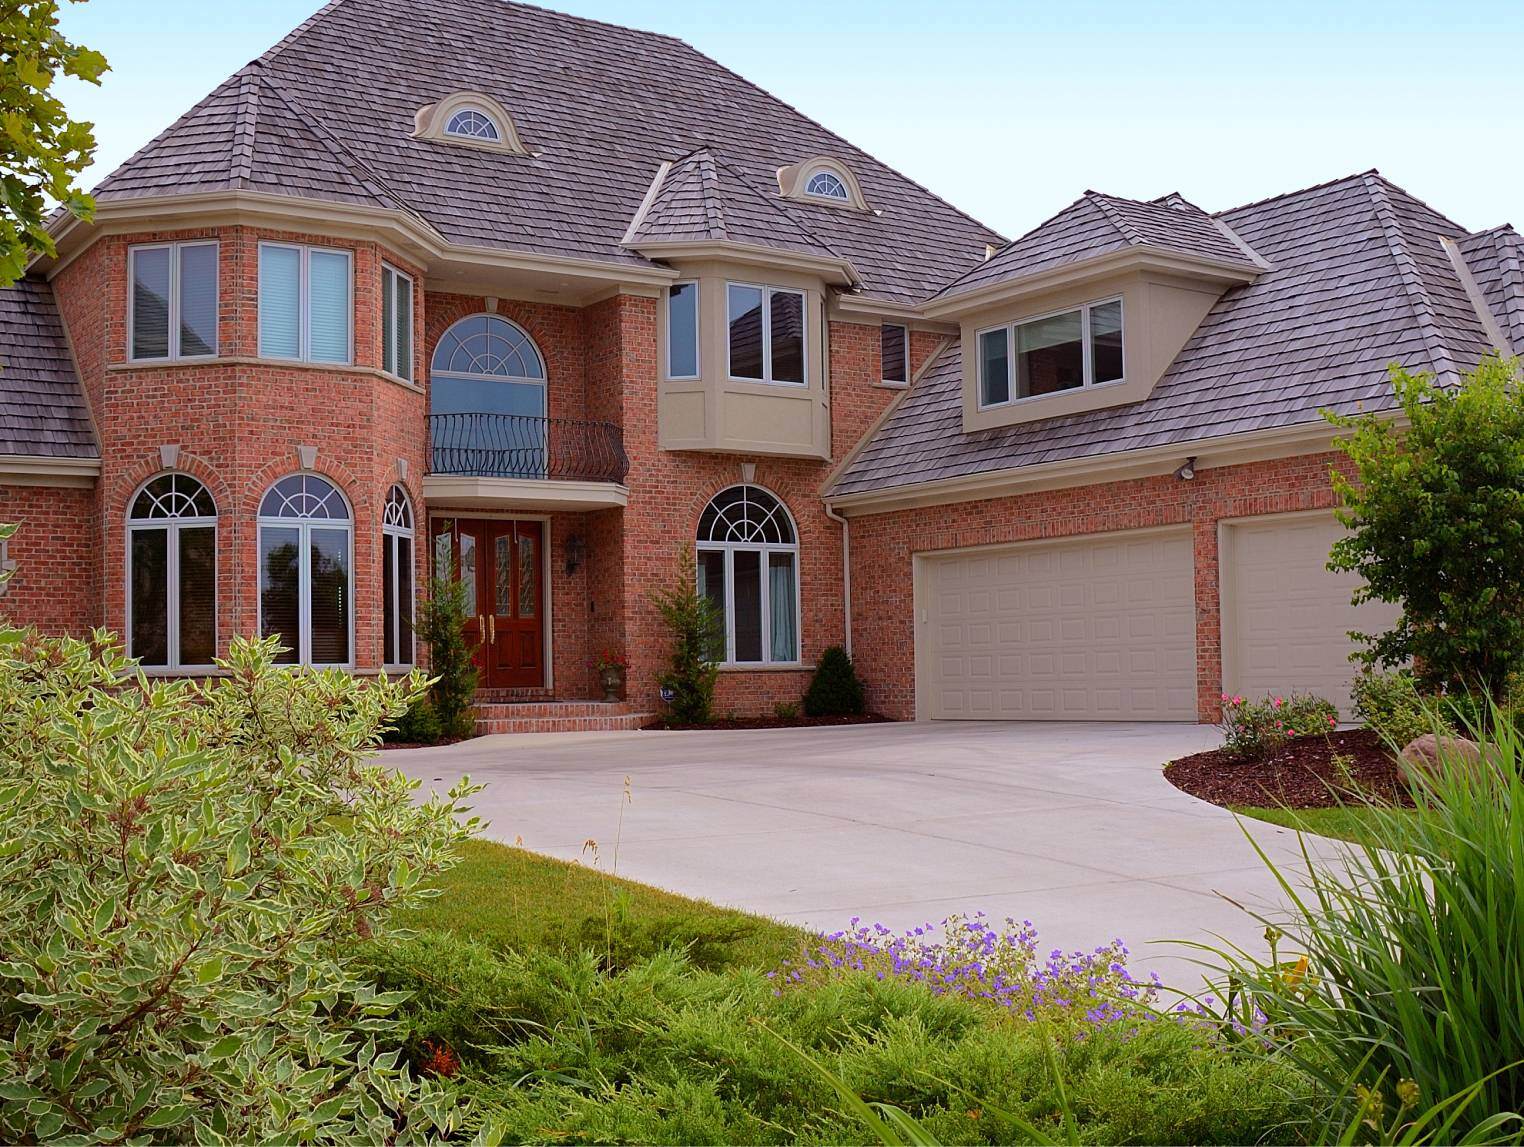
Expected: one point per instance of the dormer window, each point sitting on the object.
(827, 185)
(473, 123)
(1050, 354)
(471, 118)
(822, 180)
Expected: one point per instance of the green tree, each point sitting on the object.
(835, 690)
(442, 625)
(1436, 519)
(694, 623)
(42, 151)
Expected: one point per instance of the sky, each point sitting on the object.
(1011, 109)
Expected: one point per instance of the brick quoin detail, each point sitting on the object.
(883, 615)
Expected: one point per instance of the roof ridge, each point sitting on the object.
(357, 169)
(1512, 267)
(292, 36)
(1115, 218)
(1299, 191)
(709, 185)
(1407, 271)
(245, 125)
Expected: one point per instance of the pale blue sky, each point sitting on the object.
(1011, 109)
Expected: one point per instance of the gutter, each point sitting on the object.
(846, 575)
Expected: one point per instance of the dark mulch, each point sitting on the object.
(774, 722)
(1300, 775)
(425, 744)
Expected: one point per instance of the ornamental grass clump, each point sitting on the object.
(969, 957)
(185, 873)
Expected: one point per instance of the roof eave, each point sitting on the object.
(409, 234)
(48, 470)
(1133, 258)
(833, 268)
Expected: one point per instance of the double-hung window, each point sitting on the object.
(396, 323)
(682, 330)
(1051, 354)
(894, 343)
(173, 305)
(304, 303)
(767, 333)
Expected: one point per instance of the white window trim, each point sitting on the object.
(304, 579)
(1086, 342)
(398, 277)
(765, 549)
(767, 334)
(843, 199)
(304, 305)
(174, 249)
(172, 589)
(390, 534)
(905, 337)
(698, 303)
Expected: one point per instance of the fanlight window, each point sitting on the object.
(471, 123)
(172, 574)
(827, 185)
(487, 400)
(748, 566)
(306, 579)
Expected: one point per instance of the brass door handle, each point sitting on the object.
(492, 627)
(481, 627)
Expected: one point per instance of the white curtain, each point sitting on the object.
(784, 612)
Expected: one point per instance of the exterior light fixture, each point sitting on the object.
(575, 551)
(1187, 469)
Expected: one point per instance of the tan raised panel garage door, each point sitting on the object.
(1098, 629)
(1286, 617)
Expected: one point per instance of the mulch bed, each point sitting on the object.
(424, 744)
(1300, 775)
(773, 722)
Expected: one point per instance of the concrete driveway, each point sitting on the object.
(1068, 825)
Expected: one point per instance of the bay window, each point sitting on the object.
(172, 309)
(304, 303)
(172, 574)
(767, 333)
(748, 566)
(682, 331)
(1051, 354)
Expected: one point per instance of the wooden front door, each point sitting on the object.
(501, 564)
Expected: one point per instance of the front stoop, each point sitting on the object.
(558, 717)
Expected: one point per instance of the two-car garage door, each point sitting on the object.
(1104, 627)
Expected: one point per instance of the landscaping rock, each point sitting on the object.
(1428, 753)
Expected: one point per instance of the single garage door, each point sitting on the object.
(1285, 617)
(1095, 629)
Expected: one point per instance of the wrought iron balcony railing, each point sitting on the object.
(527, 446)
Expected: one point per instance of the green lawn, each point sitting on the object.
(512, 898)
(1352, 824)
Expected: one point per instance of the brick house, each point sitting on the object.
(469, 285)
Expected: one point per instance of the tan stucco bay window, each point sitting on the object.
(742, 355)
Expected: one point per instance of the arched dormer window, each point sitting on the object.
(822, 180)
(471, 118)
(748, 566)
(487, 400)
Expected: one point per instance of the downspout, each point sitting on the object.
(846, 574)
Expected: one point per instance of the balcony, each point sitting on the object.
(522, 461)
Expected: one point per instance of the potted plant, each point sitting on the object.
(612, 667)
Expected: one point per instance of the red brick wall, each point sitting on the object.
(53, 586)
(883, 544)
(238, 422)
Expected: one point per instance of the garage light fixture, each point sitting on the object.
(1187, 469)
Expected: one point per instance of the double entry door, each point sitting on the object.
(500, 564)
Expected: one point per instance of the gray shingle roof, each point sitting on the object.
(1358, 280)
(599, 107)
(42, 408)
(1495, 259)
(1097, 224)
(704, 199)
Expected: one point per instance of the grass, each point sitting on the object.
(510, 898)
(1353, 824)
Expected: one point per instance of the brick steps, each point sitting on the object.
(558, 717)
